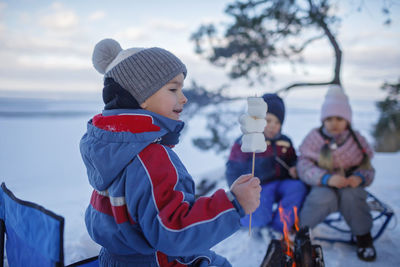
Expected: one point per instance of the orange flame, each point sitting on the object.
(285, 218)
(296, 219)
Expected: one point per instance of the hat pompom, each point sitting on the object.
(104, 53)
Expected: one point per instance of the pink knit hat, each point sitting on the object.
(336, 104)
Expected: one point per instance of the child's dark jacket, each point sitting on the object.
(143, 202)
(267, 167)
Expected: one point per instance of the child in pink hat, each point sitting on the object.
(335, 161)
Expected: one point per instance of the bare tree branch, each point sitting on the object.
(314, 13)
(302, 84)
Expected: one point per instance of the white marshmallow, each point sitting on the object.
(253, 142)
(250, 124)
(256, 107)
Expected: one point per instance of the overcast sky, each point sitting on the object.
(47, 45)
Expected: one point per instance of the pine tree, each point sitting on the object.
(387, 129)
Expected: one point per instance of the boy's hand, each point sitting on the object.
(338, 181)
(247, 191)
(293, 172)
(354, 180)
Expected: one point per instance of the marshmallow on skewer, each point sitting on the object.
(252, 126)
(253, 142)
(256, 107)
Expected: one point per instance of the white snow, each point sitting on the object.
(40, 162)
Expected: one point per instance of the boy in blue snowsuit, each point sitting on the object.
(143, 210)
(276, 169)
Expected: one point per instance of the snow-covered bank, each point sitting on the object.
(40, 162)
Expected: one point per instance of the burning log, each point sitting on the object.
(303, 253)
(307, 254)
(276, 256)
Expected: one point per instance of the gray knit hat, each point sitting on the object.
(140, 71)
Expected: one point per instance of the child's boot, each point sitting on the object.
(365, 247)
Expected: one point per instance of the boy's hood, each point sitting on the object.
(115, 137)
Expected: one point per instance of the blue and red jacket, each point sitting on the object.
(143, 202)
(267, 167)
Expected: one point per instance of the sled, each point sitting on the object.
(381, 215)
(32, 235)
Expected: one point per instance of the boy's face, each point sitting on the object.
(335, 125)
(273, 126)
(169, 100)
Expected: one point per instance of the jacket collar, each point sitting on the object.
(139, 121)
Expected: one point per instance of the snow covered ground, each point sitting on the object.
(40, 162)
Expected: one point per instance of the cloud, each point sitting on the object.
(22, 43)
(53, 30)
(49, 85)
(376, 57)
(53, 62)
(59, 18)
(97, 15)
(53, 74)
(167, 25)
(145, 32)
(2, 7)
(132, 34)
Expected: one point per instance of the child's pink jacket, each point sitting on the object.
(347, 155)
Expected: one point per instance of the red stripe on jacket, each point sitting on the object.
(174, 213)
(134, 123)
(162, 261)
(102, 204)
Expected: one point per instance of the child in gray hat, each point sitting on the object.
(143, 210)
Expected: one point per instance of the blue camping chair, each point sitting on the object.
(381, 214)
(34, 235)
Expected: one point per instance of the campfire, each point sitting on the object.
(286, 253)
